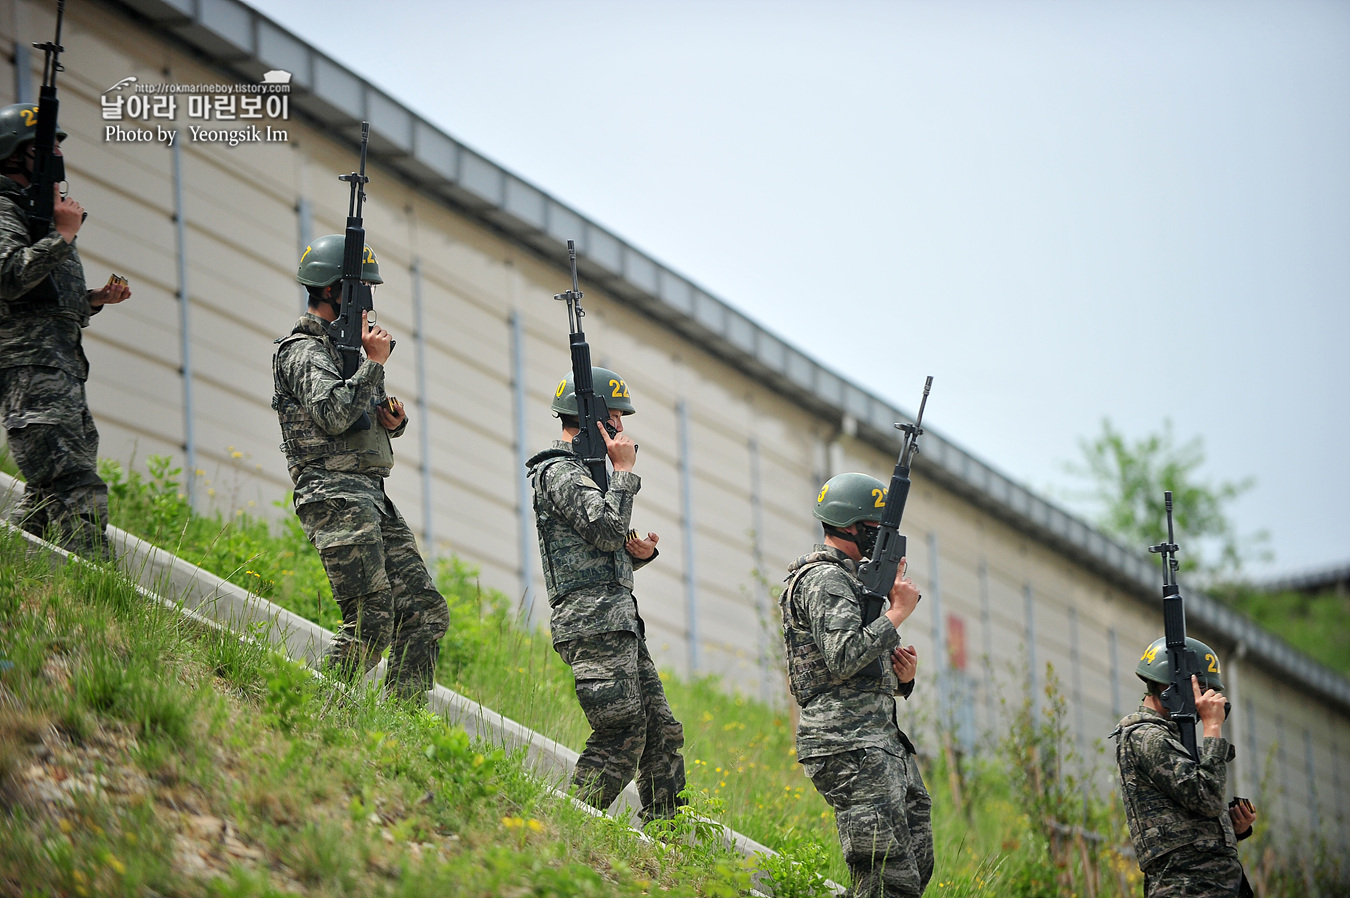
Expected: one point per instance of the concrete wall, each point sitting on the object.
(754, 463)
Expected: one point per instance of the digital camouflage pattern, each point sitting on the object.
(1176, 808)
(43, 307)
(321, 414)
(597, 631)
(826, 601)
(633, 728)
(380, 583)
(848, 739)
(55, 444)
(883, 814)
(43, 299)
(587, 571)
(809, 674)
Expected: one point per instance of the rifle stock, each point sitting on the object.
(877, 575)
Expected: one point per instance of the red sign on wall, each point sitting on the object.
(956, 642)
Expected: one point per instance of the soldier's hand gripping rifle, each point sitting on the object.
(591, 408)
(49, 169)
(878, 574)
(1178, 698)
(357, 297)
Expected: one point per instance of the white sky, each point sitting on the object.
(1062, 211)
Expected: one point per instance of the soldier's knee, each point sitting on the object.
(868, 837)
(613, 705)
(435, 617)
(671, 733)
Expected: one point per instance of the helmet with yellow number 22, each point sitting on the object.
(321, 265)
(608, 386)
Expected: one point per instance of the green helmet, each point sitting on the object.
(1153, 663)
(608, 386)
(18, 125)
(846, 499)
(321, 263)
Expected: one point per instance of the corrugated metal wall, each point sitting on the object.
(732, 511)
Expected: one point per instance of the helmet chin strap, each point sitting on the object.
(865, 539)
(17, 164)
(335, 301)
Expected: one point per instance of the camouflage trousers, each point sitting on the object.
(882, 810)
(1190, 872)
(55, 445)
(380, 582)
(633, 728)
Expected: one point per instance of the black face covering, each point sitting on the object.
(21, 162)
(865, 539)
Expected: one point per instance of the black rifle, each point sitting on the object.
(1179, 697)
(591, 408)
(878, 574)
(357, 297)
(49, 169)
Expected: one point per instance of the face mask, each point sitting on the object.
(866, 540)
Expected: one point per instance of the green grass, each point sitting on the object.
(993, 840)
(141, 753)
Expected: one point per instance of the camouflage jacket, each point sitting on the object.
(307, 375)
(1172, 801)
(43, 299)
(587, 570)
(826, 600)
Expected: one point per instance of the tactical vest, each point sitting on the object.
(304, 442)
(62, 292)
(808, 674)
(1157, 823)
(570, 562)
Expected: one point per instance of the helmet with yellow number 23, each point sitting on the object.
(846, 499)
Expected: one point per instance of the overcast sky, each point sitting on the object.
(1063, 211)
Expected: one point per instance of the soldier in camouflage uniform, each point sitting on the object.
(589, 556)
(43, 307)
(848, 738)
(335, 436)
(1184, 836)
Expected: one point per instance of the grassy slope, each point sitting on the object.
(143, 754)
(738, 750)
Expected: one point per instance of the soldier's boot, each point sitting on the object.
(409, 678)
(88, 538)
(30, 514)
(595, 787)
(867, 882)
(365, 632)
(348, 658)
(416, 648)
(662, 810)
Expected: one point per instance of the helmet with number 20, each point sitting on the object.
(1153, 663)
